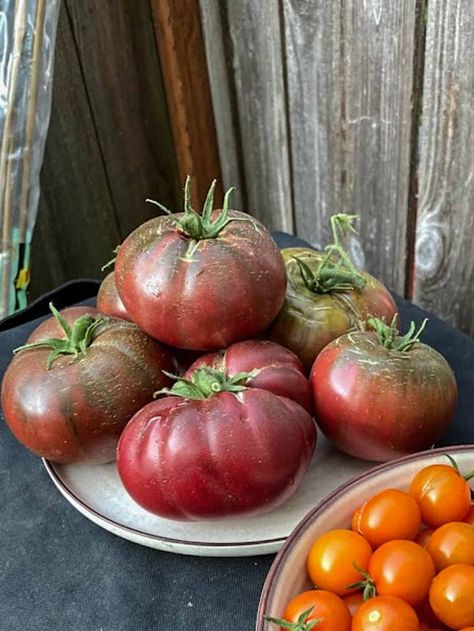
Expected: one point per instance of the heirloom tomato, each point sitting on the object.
(452, 596)
(269, 366)
(326, 296)
(385, 613)
(379, 395)
(108, 299)
(201, 281)
(69, 392)
(391, 514)
(442, 493)
(215, 448)
(335, 560)
(326, 610)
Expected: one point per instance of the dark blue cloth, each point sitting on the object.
(60, 572)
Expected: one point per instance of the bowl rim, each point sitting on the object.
(276, 566)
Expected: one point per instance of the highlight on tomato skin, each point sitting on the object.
(442, 494)
(390, 514)
(452, 596)
(385, 613)
(451, 544)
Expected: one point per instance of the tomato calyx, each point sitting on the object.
(196, 225)
(110, 263)
(77, 340)
(336, 272)
(206, 382)
(302, 624)
(367, 585)
(455, 466)
(389, 337)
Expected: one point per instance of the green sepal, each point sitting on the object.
(300, 625)
(389, 337)
(205, 382)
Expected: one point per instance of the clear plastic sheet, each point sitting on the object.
(27, 38)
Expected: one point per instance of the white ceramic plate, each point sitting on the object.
(96, 492)
(287, 576)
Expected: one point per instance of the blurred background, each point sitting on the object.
(309, 107)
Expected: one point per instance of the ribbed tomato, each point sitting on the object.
(326, 296)
(108, 299)
(215, 450)
(270, 367)
(379, 396)
(71, 390)
(204, 281)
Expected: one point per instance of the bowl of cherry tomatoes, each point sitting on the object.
(391, 550)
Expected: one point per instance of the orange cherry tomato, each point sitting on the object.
(385, 613)
(402, 569)
(354, 601)
(452, 596)
(425, 627)
(426, 616)
(443, 495)
(423, 537)
(468, 629)
(332, 557)
(391, 514)
(469, 519)
(451, 544)
(327, 608)
(356, 519)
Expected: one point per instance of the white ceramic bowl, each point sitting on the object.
(287, 575)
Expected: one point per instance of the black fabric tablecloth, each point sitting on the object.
(60, 572)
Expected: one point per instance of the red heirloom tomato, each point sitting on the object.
(204, 281)
(385, 613)
(442, 493)
(215, 449)
(391, 514)
(452, 596)
(451, 544)
(326, 610)
(108, 299)
(379, 396)
(326, 296)
(402, 569)
(270, 367)
(333, 558)
(69, 392)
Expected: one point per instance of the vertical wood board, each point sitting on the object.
(444, 264)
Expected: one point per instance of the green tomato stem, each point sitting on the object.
(389, 337)
(206, 382)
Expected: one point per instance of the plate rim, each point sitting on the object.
(275, 568)
(269, 544)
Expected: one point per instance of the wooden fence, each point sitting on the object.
(309, 107)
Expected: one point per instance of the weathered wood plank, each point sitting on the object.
(258, 65)
(313, 45)
(76, 227)
(121, 70)
(179, 38)
(444, 265)
(215, 33)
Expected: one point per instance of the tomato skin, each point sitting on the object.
(427, 617)
(378, 404)
(423, 537)
(391, 514)
(108, 299)
(189, 459)
(330, 608)
(469, 519)
(354, 601)
(385, 613)
(201, 295)
(279, 369)
(402, 569)
(332, 557)
(452, 544)
(309, 321)
(443, 495)
(452, 596)
(76, 411)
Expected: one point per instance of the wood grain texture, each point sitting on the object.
(377, 67)
(122, 78)
(255, 37)
(444, 264)
(215, 35)
(179, 38)
(76, 228)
